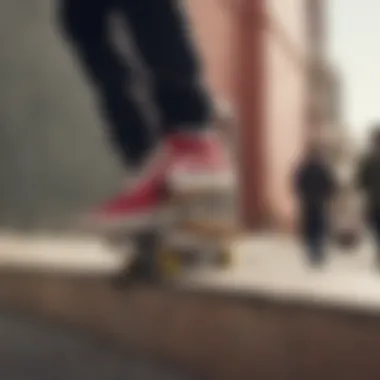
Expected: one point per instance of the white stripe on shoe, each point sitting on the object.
(182, 181)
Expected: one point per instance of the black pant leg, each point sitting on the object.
(314, 233)
(373, 217)
(161, 32)
(86, 24)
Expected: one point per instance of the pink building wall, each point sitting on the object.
(286, 73)
(215, 30)
(255, 54)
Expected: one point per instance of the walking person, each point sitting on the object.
(368, 181)
(315, 186)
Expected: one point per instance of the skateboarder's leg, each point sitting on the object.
(162, 34)
(86, 25)
(85, 22)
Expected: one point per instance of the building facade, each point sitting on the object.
(257, 56)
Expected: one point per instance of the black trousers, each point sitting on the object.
(160, 32)
(373, 218)
(314, 230)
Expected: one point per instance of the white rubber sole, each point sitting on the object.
(207, 182)
(182, 184)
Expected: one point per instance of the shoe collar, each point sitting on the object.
(153, 167)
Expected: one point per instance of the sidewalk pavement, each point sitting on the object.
(275, 266)
(269, 265)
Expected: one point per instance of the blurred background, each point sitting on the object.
(290, 73)
(54, 161)
(271, 63)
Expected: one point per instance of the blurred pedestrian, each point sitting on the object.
(346, 218)
(368, 180)
(315, 186)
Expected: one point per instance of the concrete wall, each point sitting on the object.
(53, 157)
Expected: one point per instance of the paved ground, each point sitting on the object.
(275, 266)
(35, 351)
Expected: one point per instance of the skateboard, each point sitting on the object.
(200, 232)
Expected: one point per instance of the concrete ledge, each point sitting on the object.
(271, 266)
(213, 335)
(265, 323)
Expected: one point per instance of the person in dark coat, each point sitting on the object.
(315, 186)
(368, 180)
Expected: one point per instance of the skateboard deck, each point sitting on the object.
(202, 232)
(187, 246)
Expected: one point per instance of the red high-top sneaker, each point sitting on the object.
(142, 204)
(199, 162)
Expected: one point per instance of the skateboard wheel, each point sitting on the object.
(169, 262)
(225, 257)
